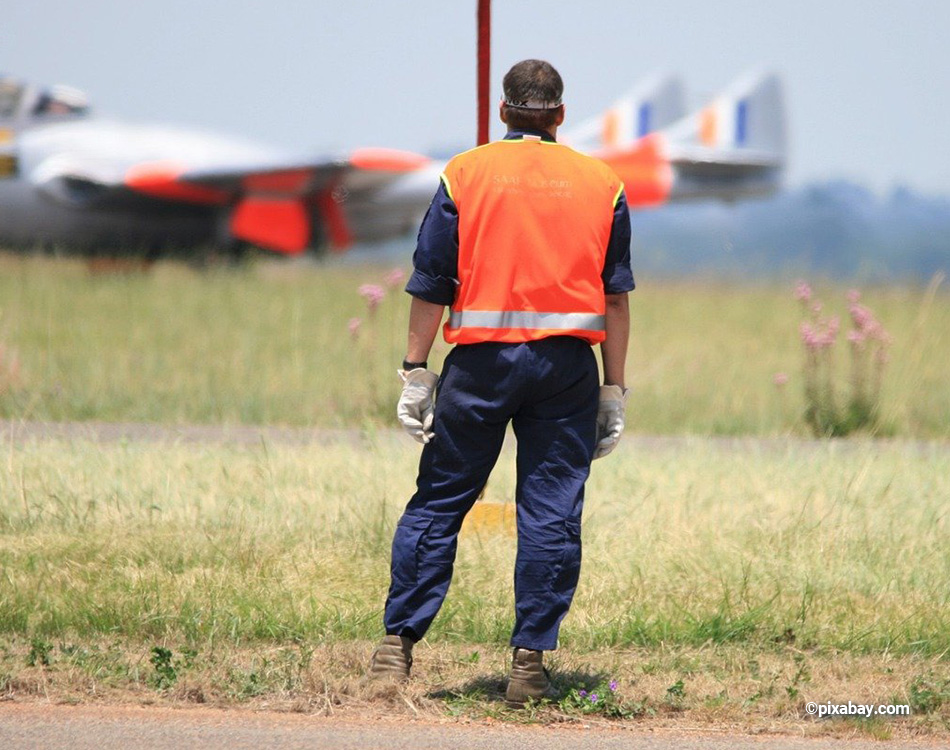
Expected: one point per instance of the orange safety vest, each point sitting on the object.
(534, 224)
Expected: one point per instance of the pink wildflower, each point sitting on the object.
(861, 316)
(816, 308)
(821, 335)
(802, 292)
(373, 294)
(780, 379)
(854, 296)
(856, 337)
(807, 333)
(395, 277)
(354, 327)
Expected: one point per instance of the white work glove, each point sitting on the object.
(609, 419)
(416, 406)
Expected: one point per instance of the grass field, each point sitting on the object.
(845, 547)
(724, 580)
(705, 560)
(269, 344)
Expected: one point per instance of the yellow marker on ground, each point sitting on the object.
(488, 517)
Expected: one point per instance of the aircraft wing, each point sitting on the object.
(272, 205)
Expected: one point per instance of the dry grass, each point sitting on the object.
(269, 344)
(724, 687)
(829, 546)
(760, 574)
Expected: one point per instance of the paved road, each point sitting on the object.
(20, 431)
(115, 432)
(144, 728)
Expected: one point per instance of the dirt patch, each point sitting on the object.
(723, 689)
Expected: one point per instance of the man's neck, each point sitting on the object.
(546, 134)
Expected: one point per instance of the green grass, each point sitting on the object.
(721, 579)
(824, 546)
(268, 344)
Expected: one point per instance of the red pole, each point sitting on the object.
(484, 67)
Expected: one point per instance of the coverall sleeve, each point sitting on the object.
(617, 274)
(435, 260)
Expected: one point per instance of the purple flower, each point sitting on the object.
(821, 335)
(373, 294)
(613, 686)
(395, 277)
(593, 697)
(583, 693)
(802, 292)
(861, 316)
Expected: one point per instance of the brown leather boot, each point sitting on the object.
(392, 659)
(529, 679)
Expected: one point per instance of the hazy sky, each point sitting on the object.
(867, 81)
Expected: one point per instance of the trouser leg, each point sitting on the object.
(556, 433)
(469, 428)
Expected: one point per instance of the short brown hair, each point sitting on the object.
(532, 80)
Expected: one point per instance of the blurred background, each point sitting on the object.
(856, 201)
(868, 171)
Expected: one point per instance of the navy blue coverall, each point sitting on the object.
(549, 390)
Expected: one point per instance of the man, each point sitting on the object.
(528, 241)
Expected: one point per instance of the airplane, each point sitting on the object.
(732, 148)
(68, 179)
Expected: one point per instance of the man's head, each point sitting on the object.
(532, 97)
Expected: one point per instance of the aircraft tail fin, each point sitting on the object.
(9, 100)
(747, 116)
(10, 93)
(652, 105)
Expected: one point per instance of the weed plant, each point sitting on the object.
(869, 343)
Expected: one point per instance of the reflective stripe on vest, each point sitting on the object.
(506, 319)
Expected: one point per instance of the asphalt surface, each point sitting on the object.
(23, 431)
(144, 728)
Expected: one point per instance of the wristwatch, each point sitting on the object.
(407, 365)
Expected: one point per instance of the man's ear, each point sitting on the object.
(560, 117)
(503, 113)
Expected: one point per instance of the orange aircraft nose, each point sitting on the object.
(645, 170)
